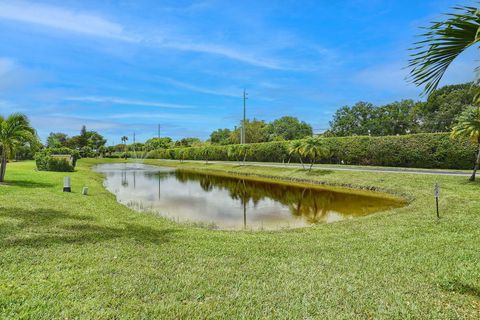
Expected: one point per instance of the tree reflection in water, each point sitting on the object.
(312, 204)
(231, 202)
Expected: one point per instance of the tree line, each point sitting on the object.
(437, 114)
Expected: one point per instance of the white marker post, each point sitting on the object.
(436, 192)
(66, 185)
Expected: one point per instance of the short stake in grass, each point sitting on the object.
(66, 185)
(436, 192)
(85, 191)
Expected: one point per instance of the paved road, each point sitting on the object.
(348, 168)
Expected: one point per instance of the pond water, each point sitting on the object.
(234, 203)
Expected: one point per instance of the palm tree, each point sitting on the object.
(295, 148)
(205, 153)
(14, 130)
(314, 148)
(442, 44)
(124, 140)
(468, 125)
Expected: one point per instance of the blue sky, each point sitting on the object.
(124, 66)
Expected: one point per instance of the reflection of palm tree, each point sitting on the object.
(124, 178)
(311, 204)
(206, 184)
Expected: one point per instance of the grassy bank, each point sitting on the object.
(72, 256)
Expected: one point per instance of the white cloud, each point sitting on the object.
(91, 24)
(122, 101)
(63, 19)
(227, 52)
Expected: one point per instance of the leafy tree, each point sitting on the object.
(255, 131)
(158, 143)
(15, 130)
(442, 107)
(87, 152)
(57, 140)
(395, 118)
(137, 146)
(314, 148)
(111, 150)
(468, 125)
(288, 128)
(95, 140)
(221, 136)
(443, 42)
(102, 151)
(355, 120)
(27, 150)
(82, 138)
(188, 142)
(91, 139)
(437, 114)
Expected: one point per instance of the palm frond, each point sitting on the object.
(468, 124)
(441, 44)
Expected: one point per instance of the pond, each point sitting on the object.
(235, 203)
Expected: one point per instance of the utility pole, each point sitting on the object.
(134, 139)
(242, 140)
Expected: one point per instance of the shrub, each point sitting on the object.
(51, 159)
(426, 150)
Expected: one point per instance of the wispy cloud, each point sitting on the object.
(69, 124)
(63, 19)
(183, 117)
(91, 24)
(225, 51)
(228, 92)
(128, 102)
(13, 75)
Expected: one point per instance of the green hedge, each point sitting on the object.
(46, 160)
(427, 150)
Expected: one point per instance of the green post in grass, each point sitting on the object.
(436, 191)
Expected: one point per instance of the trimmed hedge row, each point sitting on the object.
(47, 161)
(427, 150)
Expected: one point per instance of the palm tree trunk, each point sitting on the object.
(303, 166)
(311, 165)
(477, 165)
(3, 167)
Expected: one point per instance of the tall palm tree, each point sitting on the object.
(314, 148)
(442, 43)
(14, 131)
(468, 125)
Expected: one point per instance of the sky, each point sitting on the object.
(121, 67)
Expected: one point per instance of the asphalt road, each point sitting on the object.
(349, 168)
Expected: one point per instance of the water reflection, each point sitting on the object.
(232, 203)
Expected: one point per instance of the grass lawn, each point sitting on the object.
(64, 255)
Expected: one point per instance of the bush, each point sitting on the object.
(50, 159)
(426, 150)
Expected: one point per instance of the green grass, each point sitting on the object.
(71, 256)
